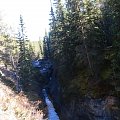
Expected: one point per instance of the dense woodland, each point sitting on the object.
(17, 53)
(83, 43)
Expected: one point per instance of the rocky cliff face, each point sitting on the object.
(92, 109)
(104, 109)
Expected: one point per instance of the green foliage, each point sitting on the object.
(29, 76)
(36, 49)
(24, 62)
(8, 51)
(85, 37)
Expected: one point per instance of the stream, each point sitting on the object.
(51, 88)
(52, 115)
(95, 109)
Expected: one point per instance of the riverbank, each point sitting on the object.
(26, 105)
(17, 106)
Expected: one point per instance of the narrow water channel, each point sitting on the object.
(52, 115)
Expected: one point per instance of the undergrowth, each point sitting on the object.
(17, 106)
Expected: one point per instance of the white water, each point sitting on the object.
(2, 74)
(52, 115)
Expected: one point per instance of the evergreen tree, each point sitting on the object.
(7, 53)
(40, 47)
(46, 46)
(115, 54)
(82, 44)
(24, 62)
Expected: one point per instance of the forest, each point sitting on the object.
(82, 55)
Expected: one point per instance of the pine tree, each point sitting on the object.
(114, 5)
(46, 46)
(24, 62)
(41, 49)
(84, 38)
(7, 53)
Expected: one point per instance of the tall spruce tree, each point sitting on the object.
(24, 62)
(85, 42)
(81, 40)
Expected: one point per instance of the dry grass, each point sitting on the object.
(17, 107)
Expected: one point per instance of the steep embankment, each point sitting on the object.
(17, 107)
(27, 105)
